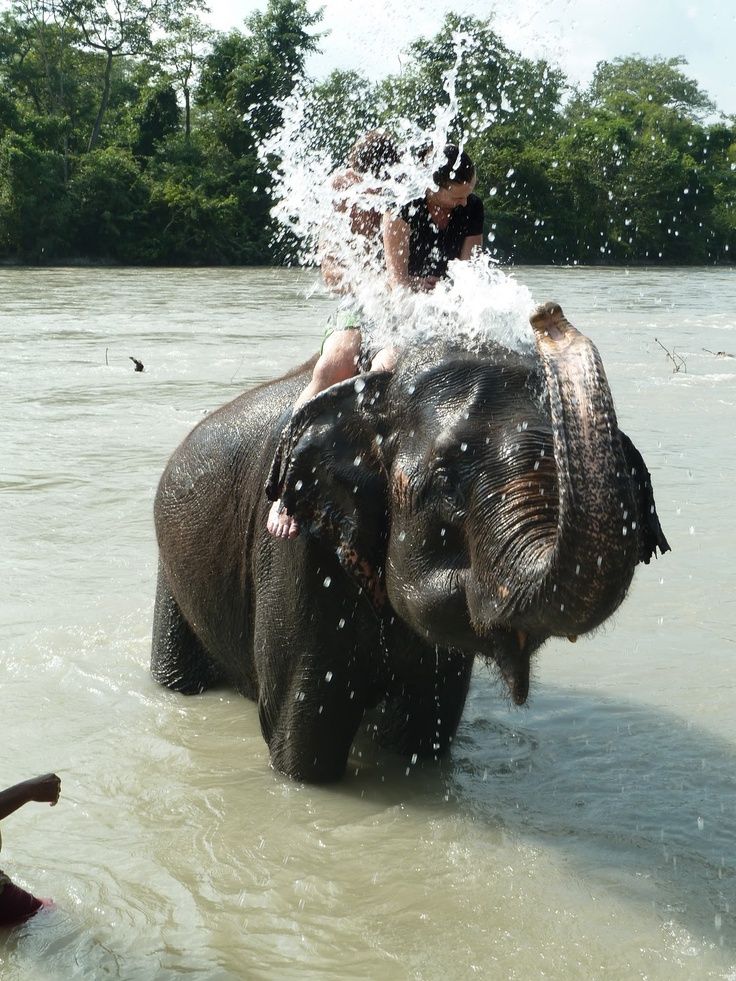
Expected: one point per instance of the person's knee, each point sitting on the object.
(335, 366)
(385, 360)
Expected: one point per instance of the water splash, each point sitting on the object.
(319, 207)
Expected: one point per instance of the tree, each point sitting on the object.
(182, 53)
(247, 76)
(33, 207)
(493, 85)
(243, 82)
(109, 202)
(120, 29)
(642, 165)
(636, 82)
(159, 118)
(339, 110)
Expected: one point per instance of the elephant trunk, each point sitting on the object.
(565, 579)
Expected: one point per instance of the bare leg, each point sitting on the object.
(337, 362)
(385, 360)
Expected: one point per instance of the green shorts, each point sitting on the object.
(345, 318)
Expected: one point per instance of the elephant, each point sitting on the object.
(472, 503)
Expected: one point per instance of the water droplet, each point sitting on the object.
(402, 536)
(328, 582)
(341, 623)
(358, 385)
(463, 447)
(328, 676)
(414, 758)
(357, 461)
(298, 485)
(701, 824)
(600, 561)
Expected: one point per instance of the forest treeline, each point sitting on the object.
(129, 132)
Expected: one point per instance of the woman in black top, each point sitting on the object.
(427, 233)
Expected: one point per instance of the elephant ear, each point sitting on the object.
(330, 474)
(651, 537)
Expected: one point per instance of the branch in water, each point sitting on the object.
(678, 361)
(718, 354)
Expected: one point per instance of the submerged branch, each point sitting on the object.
(677, 360)
(718, 354)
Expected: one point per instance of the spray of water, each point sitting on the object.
(320, 207)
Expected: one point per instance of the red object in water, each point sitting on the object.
(17, 905)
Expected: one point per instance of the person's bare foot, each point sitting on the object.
(280, 523)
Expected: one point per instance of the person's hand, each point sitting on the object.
(44, 789)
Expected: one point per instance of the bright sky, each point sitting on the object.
(369, 35)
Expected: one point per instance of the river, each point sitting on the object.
(589, 835)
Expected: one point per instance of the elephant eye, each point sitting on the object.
(445, 485)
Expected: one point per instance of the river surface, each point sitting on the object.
(589, 835)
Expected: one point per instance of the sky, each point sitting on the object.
(369, 35)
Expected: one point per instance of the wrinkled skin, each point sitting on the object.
(466, 505)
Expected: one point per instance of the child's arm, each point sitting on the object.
(45, 789)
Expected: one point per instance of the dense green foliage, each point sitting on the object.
(129, 132)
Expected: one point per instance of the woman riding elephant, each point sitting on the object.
(420, 239)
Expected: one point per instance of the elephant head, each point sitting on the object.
(486, 498)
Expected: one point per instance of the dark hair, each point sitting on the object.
(457, 169)
(373, 154)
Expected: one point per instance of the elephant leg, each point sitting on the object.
(178, 659)
(422, 717)
(309, 716)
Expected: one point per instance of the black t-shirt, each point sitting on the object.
(430, 247)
